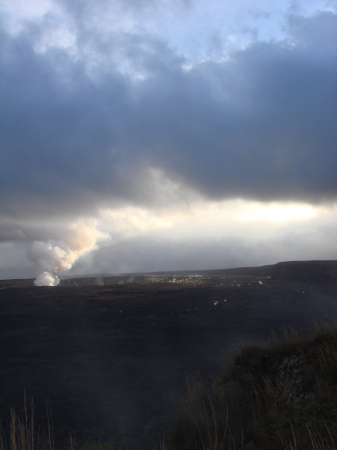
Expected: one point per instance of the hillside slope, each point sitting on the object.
(277, 396)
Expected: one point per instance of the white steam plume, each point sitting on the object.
(55, 256)
(46, 279)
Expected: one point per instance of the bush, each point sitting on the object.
(281, 395)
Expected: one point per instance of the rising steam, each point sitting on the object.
(56, 256)
(46, 279)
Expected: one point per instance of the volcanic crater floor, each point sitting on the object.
(110, 362)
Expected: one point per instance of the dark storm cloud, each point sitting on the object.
(261, 125)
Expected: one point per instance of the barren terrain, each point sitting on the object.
(111, 361)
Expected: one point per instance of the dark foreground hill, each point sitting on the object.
(280, 396)
(111, 360)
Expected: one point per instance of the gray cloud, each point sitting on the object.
(141, 254)
(261, 125)
(313, 240)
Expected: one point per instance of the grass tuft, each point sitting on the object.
(279, 395)
(22, 434)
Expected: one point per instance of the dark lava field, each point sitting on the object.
(110, 361)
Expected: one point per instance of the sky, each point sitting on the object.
(154, 135)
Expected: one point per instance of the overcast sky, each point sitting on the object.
(147, 135)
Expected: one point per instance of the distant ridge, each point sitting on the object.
(306, 271)
(316, 271)
(262, 271)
